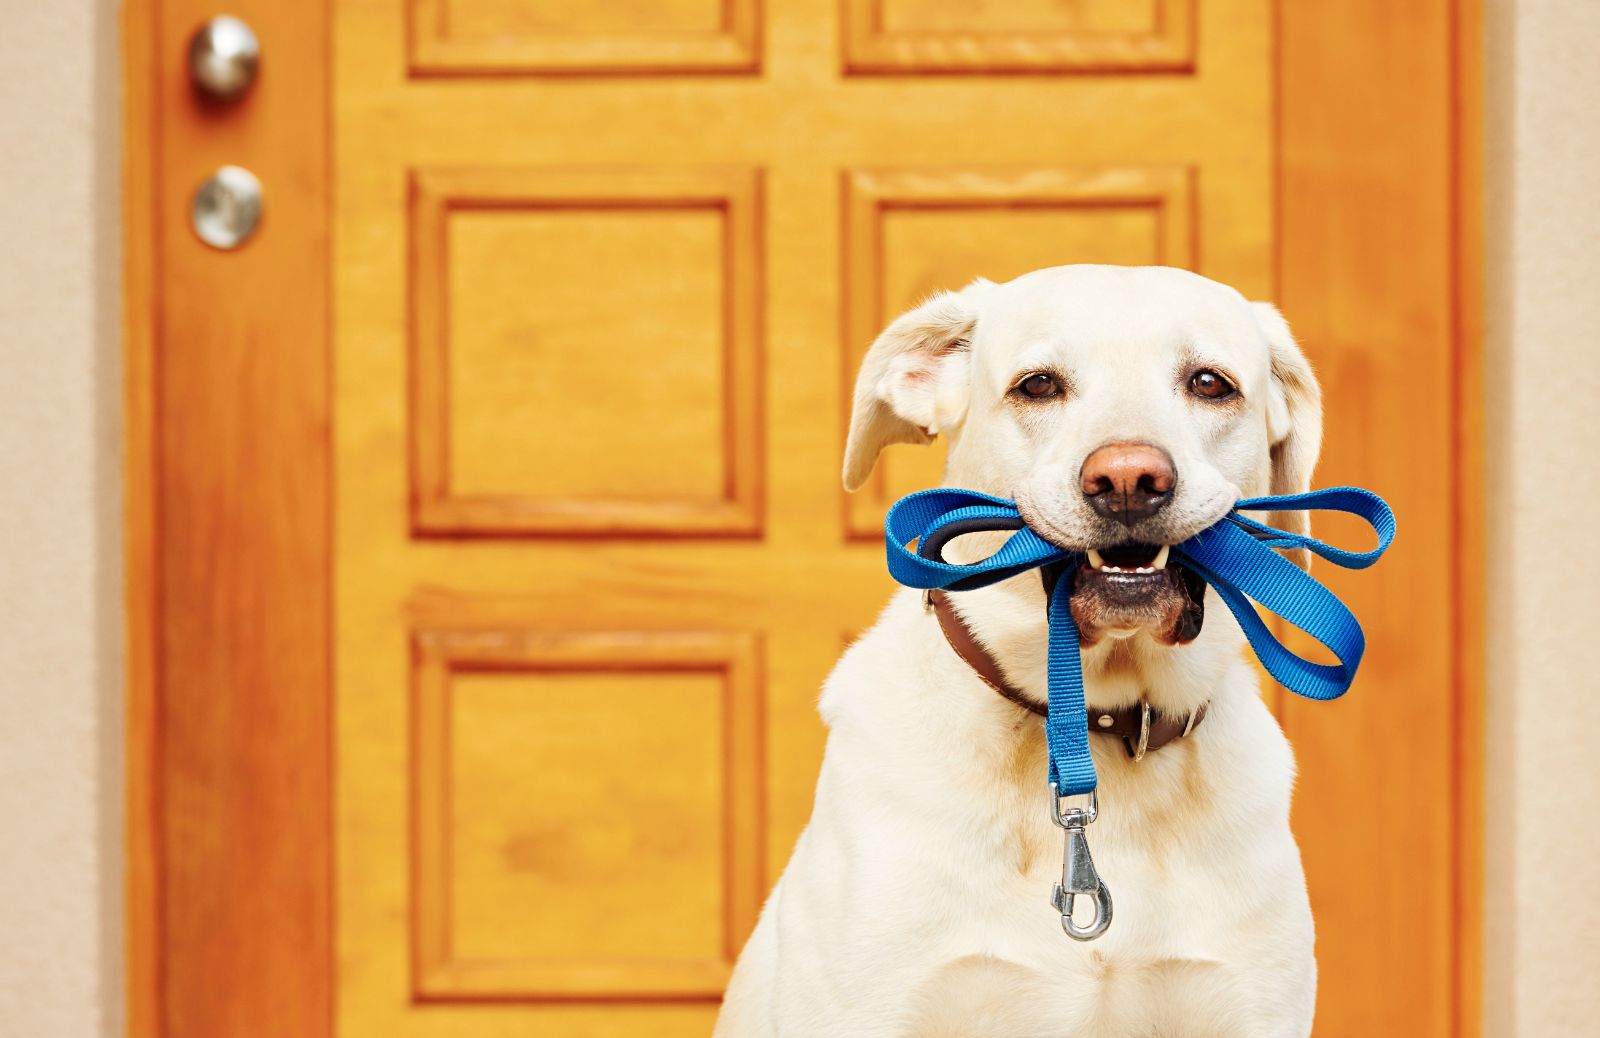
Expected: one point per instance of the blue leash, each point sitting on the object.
(1238, 556)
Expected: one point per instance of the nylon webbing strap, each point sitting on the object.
(1238, 556)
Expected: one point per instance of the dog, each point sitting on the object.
(1124, 409)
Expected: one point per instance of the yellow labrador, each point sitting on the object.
(1124, 409)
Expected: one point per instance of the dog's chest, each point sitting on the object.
(1098, 993)
(1004, 966)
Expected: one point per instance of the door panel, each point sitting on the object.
(1032, 36)
(612, 321)
(478, 37)
(611, 316)
(537, 872)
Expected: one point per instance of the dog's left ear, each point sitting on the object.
(914, 380)
(1294, 420)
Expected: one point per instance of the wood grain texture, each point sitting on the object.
(230, 840)
(1470, 505)
(614, 707)
(730, 387)
(142, 802)
(968, 41)
(507, 39)
(1371, 225)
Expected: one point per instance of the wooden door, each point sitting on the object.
(562, 447)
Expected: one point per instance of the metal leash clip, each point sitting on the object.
(1078, 876)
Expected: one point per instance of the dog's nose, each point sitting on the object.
(1128, 482)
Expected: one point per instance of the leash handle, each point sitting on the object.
(932, 517)
(1236, 559)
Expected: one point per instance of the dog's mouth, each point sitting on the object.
(1133, 561)
(1124, 588)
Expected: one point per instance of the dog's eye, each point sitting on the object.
(1212, 386)
(1039, 386)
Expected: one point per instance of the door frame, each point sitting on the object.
(198, 760)
(227, 531)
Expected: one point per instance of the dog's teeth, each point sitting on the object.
(1145, 569)
(1095, 561)
(1161, 557)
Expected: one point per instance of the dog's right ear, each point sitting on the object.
(914, 381)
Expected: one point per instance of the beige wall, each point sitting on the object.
(1543, 403)
(60, 689)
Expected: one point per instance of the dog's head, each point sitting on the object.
(1123, 408)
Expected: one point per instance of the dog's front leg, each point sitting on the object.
(747, 1005)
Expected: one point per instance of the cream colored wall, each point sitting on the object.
(1543, 406)
(60, 661)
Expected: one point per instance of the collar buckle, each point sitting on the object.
(1137, 752)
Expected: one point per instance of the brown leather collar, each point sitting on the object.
(1140, 728)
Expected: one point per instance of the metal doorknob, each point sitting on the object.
(227, 207)
(223, 57)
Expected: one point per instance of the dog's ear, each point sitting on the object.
(914, 381)
(1294, 420)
